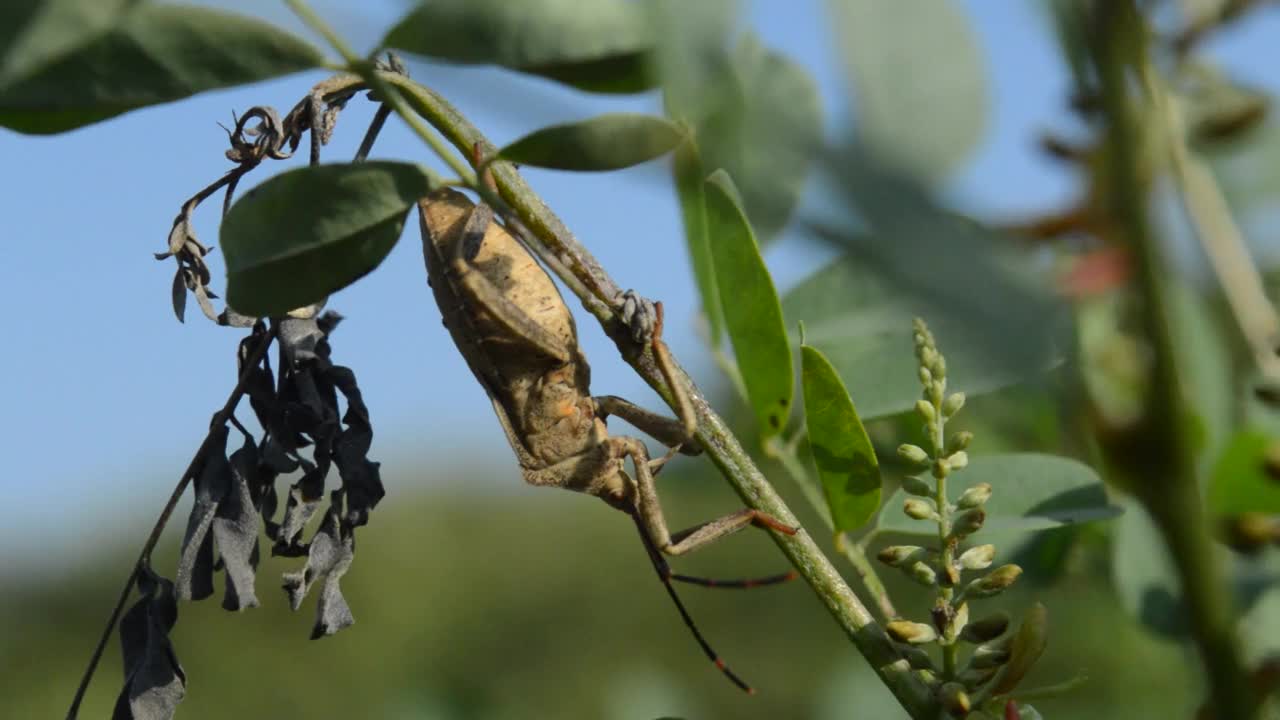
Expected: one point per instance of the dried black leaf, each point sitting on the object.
(304, 499)
(202, 296)
(298, 338)
(235, 528)
(275, 457)
(179, 295)
(328, 559)
(154, 682)
(194, 580)
(361, 478)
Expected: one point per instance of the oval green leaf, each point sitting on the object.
(1240, 482)
(931, 42)
(605, 142)
(863, 325)
(757, 115)
(688, 175)
(754, 318)
(600, 46)
(309, 232)
(83, 64)
(842, 452)
(1029, 492)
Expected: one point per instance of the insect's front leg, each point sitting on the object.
(672, 433)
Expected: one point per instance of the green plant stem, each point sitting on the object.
(1152, 455)
(855, 552)
(946, 592)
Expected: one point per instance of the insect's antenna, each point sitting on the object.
(743, 584)
(664, 574)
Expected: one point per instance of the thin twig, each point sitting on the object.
(219, 419)
(375, 127)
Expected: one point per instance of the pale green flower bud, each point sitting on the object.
(926, 377)
(995, 582)
(913, 454)
(925, 408)
(968, 523)
(928, 357)
(923, 573)
(913, 485)
(958, 460)
(919, 509)
(916, 657)
(989, 656)
(939, 366)
(987, 629)
(976, 496)
(914, 633)
(974, 678)
(899, 555)
(959, 441)
(978, 557)
(958, 622)
(954, 699)
(952, 404)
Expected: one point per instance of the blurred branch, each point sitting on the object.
(553, 242)
(1153, 455)
(1220, 237)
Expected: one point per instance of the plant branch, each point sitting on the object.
(599, 294)
(1152, 455)
(220, 419)
(854, 552)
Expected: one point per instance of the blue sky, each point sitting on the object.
(107, 395)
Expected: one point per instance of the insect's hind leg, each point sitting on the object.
(649, 510)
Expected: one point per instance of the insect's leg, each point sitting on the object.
(650, 513)
(476, 285)
(664, 574)
(665, 430)
(672, 433)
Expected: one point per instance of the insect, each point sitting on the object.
(518, 337)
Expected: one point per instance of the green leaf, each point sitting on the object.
(756, 114)
(83, 61)
(1029, 492)
(689, 174)
(1240, 482)
(1147, 583)
(863, 325)
(754, 318)
(309, 232)
(973, 285)
(606, 142)
(1144, 577)
(600, 46)
(842, 452)
(927, 125)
